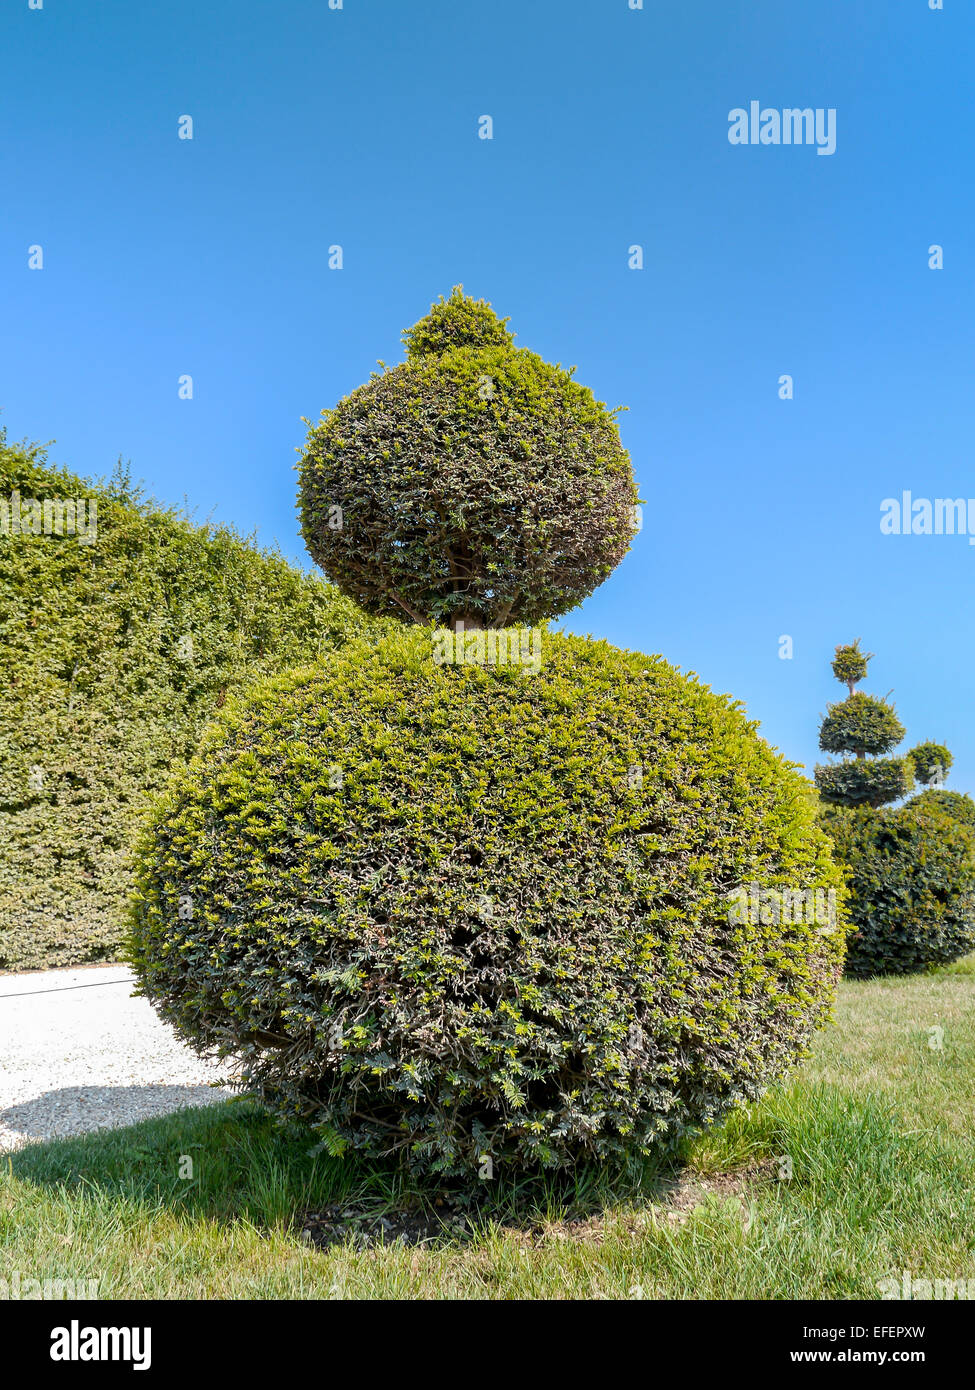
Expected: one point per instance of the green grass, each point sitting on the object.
(877, 1125)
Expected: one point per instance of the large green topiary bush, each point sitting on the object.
(469, 896)
(116, 650)
(912, 885)
(465, 911)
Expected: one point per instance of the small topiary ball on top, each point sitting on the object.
(850, 664)
(473, 483)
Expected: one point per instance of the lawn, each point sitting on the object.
(857, 1170)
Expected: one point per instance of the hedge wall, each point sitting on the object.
(115, 653)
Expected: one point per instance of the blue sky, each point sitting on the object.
(358, 127)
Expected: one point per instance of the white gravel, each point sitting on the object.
(78, 1052)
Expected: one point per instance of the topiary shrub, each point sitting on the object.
(912, 885)
(497, 894)
(861, 724)
(459, 911)
(931, 763)
(955, 804)
(473, 483)
(908, 871)
(855, 783)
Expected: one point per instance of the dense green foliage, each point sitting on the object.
(114, 654)
(855, 782)
(912, 885)
(474, 482)
(954, 804)
(464, 910)
(931, 763)
(850, 664)
(861, 724)
(883, 1102)
(909, 871)
(457, 322)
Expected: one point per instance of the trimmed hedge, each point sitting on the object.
(474, 482)
(457, 911)
(115, 653)
(912, 885)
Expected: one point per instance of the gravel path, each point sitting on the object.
(78, 1052)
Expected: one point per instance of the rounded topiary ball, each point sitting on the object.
(850, 663)
(955, 804)
(860, 722)
(931, 763)
(865, 782)
(912, 886)
(460, 910)
(473, 482)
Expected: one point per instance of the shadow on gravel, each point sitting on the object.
(75, 1110)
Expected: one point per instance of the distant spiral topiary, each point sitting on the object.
(910, 872)
(474, 483)
(912, 885)
(468, 911)
(861, 724)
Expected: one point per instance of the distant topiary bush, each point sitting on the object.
(467, 912)
(865, 726)
(912, 885)
(909, 871)
(932, 762)
(116, 650)
(955, 804)
(473, 483)
(855, 783)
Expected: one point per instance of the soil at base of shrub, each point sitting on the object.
(453, 1220)
(364, 1228)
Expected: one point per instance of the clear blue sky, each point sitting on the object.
(359, 127)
